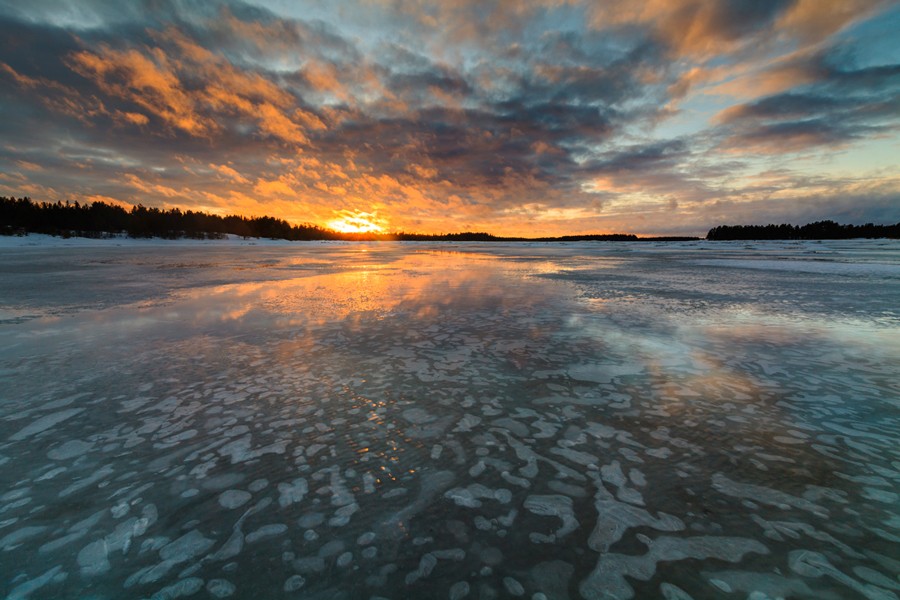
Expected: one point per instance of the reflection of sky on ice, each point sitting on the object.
(412, 420)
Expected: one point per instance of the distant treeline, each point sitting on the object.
(820, 230)
(99, 219)
(19, 216)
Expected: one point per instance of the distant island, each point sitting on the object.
(19, 216)
(820, 230)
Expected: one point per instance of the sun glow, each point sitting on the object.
(357, 222)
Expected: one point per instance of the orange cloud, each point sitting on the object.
(133, 118)
(155, 80)
(282, 186)
(147, 82)
(751, 81)
(421, 171)
(28, 166)
(154, 189)
(229, 172)
(324, 77)
(275, 123)
(22, 80)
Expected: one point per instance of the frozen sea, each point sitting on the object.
(544, 421)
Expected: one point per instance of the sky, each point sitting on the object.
(535, 118)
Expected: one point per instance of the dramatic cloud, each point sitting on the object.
(534, 118)
(832, 104)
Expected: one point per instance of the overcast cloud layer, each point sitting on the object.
(533, 118)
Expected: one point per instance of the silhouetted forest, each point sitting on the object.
(820, 230)
(98, 219)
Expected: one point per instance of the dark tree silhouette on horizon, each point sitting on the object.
(820, 230)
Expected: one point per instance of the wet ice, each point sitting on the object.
(454, 421)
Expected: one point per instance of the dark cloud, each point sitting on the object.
(422, 87)
(652, 156)
(37, 50)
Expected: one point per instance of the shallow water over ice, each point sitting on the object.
(623, 420)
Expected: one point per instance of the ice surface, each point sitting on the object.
(289, 493)
(220, 588)
(44, 423)
(552, 505)
(294, 583)
(179, 589)
(186, 547)
(513, 587)
(608, 578)
(459, 590)
(12, 540)
(234, 498)
(266, 531)
(449, 420)
(25, 589)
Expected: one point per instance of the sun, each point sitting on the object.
(357, 222)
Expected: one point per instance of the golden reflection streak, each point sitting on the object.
(423, 283)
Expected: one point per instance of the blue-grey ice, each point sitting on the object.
(440, 420)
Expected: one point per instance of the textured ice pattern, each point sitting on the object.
(535, 421)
